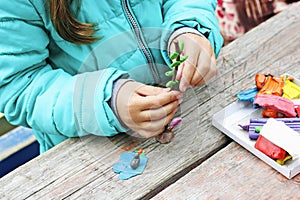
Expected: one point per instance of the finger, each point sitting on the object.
(161, 123)
(179, 71)
(153, 102)
(147, 134)
(211, 72)
(147, 90)
(159, 113)
(203, 67)
(187, 74)
(154, 128)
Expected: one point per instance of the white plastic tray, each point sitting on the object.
(227, 121)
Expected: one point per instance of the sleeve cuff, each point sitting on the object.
(180, 31)
(116, 87)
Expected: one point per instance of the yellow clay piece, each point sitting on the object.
(281, 162)
(291, 90)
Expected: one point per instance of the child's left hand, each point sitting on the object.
(201, 63)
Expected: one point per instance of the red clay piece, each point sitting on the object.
(270, 149)
(298, 110)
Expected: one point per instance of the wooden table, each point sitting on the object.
(201, 162)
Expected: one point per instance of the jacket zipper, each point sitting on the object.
(142, 45)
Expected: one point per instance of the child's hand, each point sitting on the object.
(146, 109)
(201, 63)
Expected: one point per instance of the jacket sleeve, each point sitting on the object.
(35, 95)
(197, 14)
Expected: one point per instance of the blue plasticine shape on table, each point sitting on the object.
(247, 95)
(124, 169)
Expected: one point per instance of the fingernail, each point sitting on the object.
(183, 88)
(180, 100)
(175, 110)
(166, 89)
(180, 96)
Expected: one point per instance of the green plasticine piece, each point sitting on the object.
(174, 55)
(170, 73)
(175, 64)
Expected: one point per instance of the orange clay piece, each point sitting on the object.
(269, 113)
(260, 80)
(273, 85)
(140, 151)
(291, 90)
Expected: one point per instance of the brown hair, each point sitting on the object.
(67, 26)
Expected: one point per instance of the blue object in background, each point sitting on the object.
(17, 147)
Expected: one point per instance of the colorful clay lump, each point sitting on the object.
(268, 84)
(260, 80)
(270, 149)
(277, 103)
(135, 162)
(282, 136)
(265, 84)
(130, 164)
(282, 162)
(297, 109)
(257, 123)
(247, 95)
(290, 89)
(168, 135)
(270, 113)
(277, 134)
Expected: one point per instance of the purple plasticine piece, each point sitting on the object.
(244, 127)
(174, 122)
(285, 120)
(293, 123)
(253, 135)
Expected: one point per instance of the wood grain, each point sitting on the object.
(233, 173)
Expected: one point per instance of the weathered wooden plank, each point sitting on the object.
(82, 167)
(233, 174)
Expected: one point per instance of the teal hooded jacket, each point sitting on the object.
(63, 90)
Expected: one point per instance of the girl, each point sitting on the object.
(70, 68)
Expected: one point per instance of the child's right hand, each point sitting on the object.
(146, 109)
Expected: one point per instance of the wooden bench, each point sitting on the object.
(17, 146)
(201, 162)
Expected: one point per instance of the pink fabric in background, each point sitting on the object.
(236, 17)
